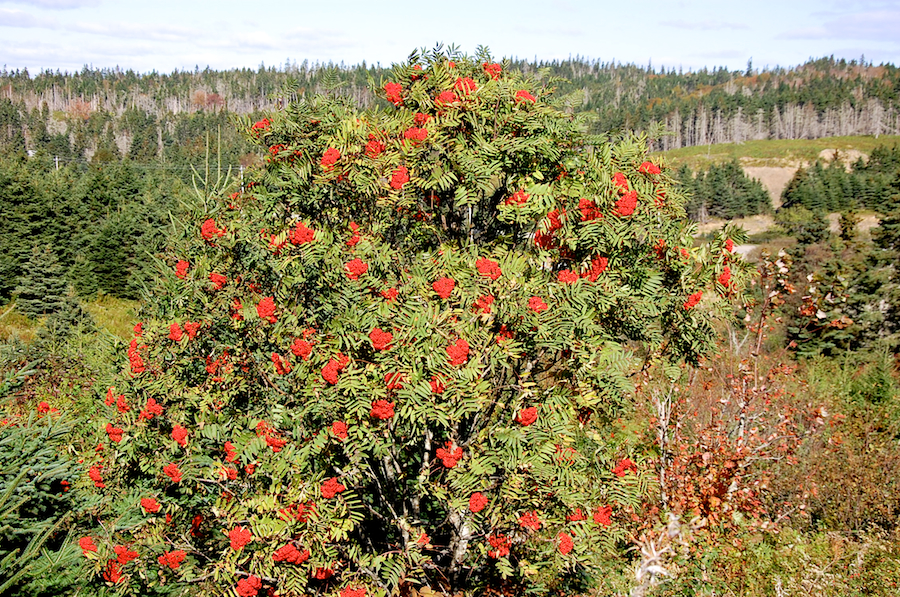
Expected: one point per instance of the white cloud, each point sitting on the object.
(705, 25)
(299, 41)
(10, 17)
(256, 40)
(56, 4)
(875, 25)
(135, 32)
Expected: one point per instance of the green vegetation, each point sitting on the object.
(723, 191)
(764, 444)
(774, 152)
(35, 504)
(104, 114)
(368, 336)
(868, 184)
(97, 227)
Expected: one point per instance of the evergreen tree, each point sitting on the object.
(724, 191)
(806, 225)
(12, 139)
(22, 205)
(42, 286)
(876, 292)
(145, 135)
(849, 221)
(696, 206)
(37, 129)
(118, 257)
(107, 148)
(834, 189)
(69, 319)
(887, 235)
(35, 505)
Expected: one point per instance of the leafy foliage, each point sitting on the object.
(392, 358)
(848, 297)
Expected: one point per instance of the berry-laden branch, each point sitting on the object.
(410, 335)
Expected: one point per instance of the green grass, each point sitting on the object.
(13, 323)
(772, 152)
(117, 316)
(767, 237)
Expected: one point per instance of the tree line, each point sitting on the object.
(867, 184)
(89, 228)
(823, 97)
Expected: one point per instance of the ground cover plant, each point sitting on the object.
(392, 360)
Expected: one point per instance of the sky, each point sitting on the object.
(165, 35)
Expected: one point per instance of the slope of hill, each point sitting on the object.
(775, 162)
(777, 153)
(77, 114)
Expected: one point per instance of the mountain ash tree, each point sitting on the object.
(395, 357)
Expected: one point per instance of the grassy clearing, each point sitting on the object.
(14, 324)
(117, 316)
(772, 152)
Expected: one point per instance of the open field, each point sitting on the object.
(774, 162)
(773, 152)
(116, 316)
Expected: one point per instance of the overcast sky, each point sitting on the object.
(165, 35)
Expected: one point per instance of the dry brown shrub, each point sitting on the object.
(198, 98)
(80, 109)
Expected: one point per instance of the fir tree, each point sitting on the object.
(35, 473)
(806, 225)
(723, 191)
(42, 286)
(849, 220)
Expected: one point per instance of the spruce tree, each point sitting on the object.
(36, 472)
(849, 220)
(875, 302)
(107, 149)
(42, 286)
(887, 235)
(723, 191)
(806, 225)
(70, 319)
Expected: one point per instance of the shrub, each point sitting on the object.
(846, 476)
(394, 356)
(807, 225)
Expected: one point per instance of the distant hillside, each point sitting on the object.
(775, 162)
(833, 176)
(822, 98)
(790, 153)
(156, 116)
